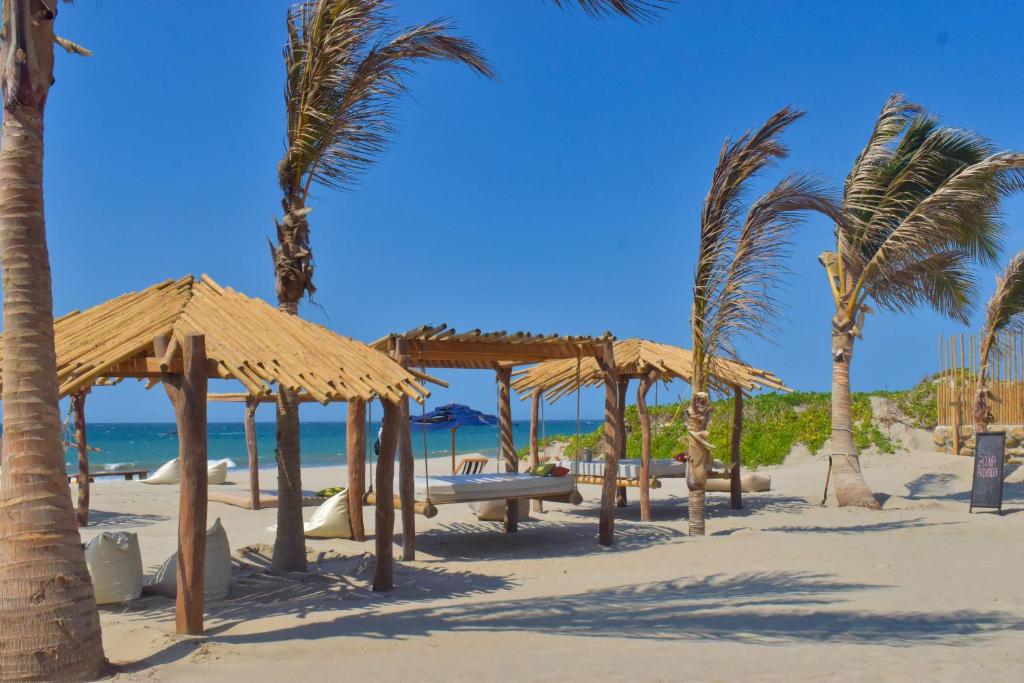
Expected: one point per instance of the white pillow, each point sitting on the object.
(216, 568)
(217, 472)
(166, 474)
(330, 520)
(115, 565)
(494, 510)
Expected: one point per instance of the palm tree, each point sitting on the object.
(345, 67)
(738, 266)
(49, 627)
(920, 205)
(1003, 314)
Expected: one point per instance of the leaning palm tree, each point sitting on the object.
(49, 627)
(1004, 313)
(739, 263)
(345, 68)
(920, 206)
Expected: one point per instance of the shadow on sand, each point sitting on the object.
(101, 519)
(766, 608)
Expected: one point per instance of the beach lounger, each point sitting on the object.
(629, 472)
(471, 464)
(127, 474)
(466, 488)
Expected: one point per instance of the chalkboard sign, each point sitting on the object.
(987, 487)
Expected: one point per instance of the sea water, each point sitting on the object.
(147, 445)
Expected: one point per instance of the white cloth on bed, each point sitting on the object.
(455, 488)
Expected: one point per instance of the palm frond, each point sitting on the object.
(637, 10)
(942, 280)
(345, 69)
(1005, 310)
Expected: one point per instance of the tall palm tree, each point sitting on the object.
(345, 66)
(739, 263)
(920, 205)
(49, 627)
(1003, 314)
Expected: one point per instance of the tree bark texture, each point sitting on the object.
(508, 446)
(252, 450)
(355, 452)
(384, 569)
(645, 444)
(698, 419)
(612, 433)
(847, 480)
(535, 399)
(735, 486)
(78, 409)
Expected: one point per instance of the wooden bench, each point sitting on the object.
(127, 474)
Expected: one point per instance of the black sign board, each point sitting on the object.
(987, 487)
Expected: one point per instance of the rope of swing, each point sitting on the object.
(369, 431)
(426, 458)
(579, 442)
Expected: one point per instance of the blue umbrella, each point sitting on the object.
(451, 417)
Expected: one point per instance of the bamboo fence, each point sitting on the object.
(958, 371)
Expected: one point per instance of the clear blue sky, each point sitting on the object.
(563, 198)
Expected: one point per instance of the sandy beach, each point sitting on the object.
(784, 589)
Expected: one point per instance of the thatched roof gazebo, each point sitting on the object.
(181, 333)
(648, 362)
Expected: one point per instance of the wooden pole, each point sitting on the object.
(453, 449)
(645, 443)
(383, 570)
(406, 465)
(620, 497)
(355, 454)
(606, 526)
(187, 392)
(735, 489)
(78, 408)
(508, 448)
(251, 403)
(538, 396)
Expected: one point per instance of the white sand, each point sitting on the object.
(782, 590)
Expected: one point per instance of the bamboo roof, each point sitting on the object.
(439, 346)
(635, 358)
(247, 339)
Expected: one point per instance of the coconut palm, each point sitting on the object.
(739, 263)
(1003, 314)
(49, 627)
(919, 207)
(345, 66)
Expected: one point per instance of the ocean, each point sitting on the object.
(149, 445)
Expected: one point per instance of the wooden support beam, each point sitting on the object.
(606, 526)
(645, 443)
(187, 391)
(735, 488)
(537, 396)
(355, 454)
(508, 447)
(251, 403)
(421, 507)
(520, 352)
(384, 570)
(632, 483)
(149, 366)
(406, 465)
(621, 499)
(78, 408)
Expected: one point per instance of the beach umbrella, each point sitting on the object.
(452, 417)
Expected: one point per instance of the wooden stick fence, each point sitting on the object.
(958, 372)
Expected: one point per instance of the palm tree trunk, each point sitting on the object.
(847, 481)
(698, 418)
(49, 627)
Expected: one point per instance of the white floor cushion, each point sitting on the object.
(216, 568)
(750, 482)
(217, 472)
(494, 510)
(166, 474)
(330, 520)
(115, 565)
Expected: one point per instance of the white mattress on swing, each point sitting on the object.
(464, 488)
(628, 469)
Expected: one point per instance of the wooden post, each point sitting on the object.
(645, 443)
(187, 392)
(621, 499)
(735, 489)
(508, 447)
(355, 453)
(78, 408)
(383, 570)
(453, 449)
(538, 396)
(251, 403)
(406, 466)
(606, 527)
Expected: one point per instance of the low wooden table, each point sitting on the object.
(127, 474)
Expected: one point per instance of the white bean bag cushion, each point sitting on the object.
(115, 565)
(217, 472)
(494, 510)
(216, 568)
(330, 520)
(750, 482)
(166, 474)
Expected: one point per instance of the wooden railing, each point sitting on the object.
(958, 372)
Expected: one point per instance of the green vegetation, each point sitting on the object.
(772, 425)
